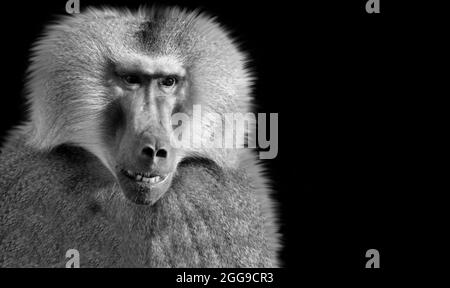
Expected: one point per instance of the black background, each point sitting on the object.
(334, 75)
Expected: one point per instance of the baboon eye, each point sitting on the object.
(132, 79)
(168, 81)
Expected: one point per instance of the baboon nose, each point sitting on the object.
(153, 148)
(148, 151)
(161, 153)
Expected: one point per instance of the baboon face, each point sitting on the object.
(138, 128)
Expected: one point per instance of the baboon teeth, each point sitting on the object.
(155, 179)
(144, 177)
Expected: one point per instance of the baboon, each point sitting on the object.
(94, 169)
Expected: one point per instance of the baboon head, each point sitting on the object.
(110, 81)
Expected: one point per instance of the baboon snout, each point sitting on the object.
(146, 166)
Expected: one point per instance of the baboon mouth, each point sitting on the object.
(144, 187)
(146, 177)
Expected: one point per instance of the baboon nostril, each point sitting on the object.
(161, 153)
(148, 151)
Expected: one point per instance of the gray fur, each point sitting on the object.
(57, 193)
